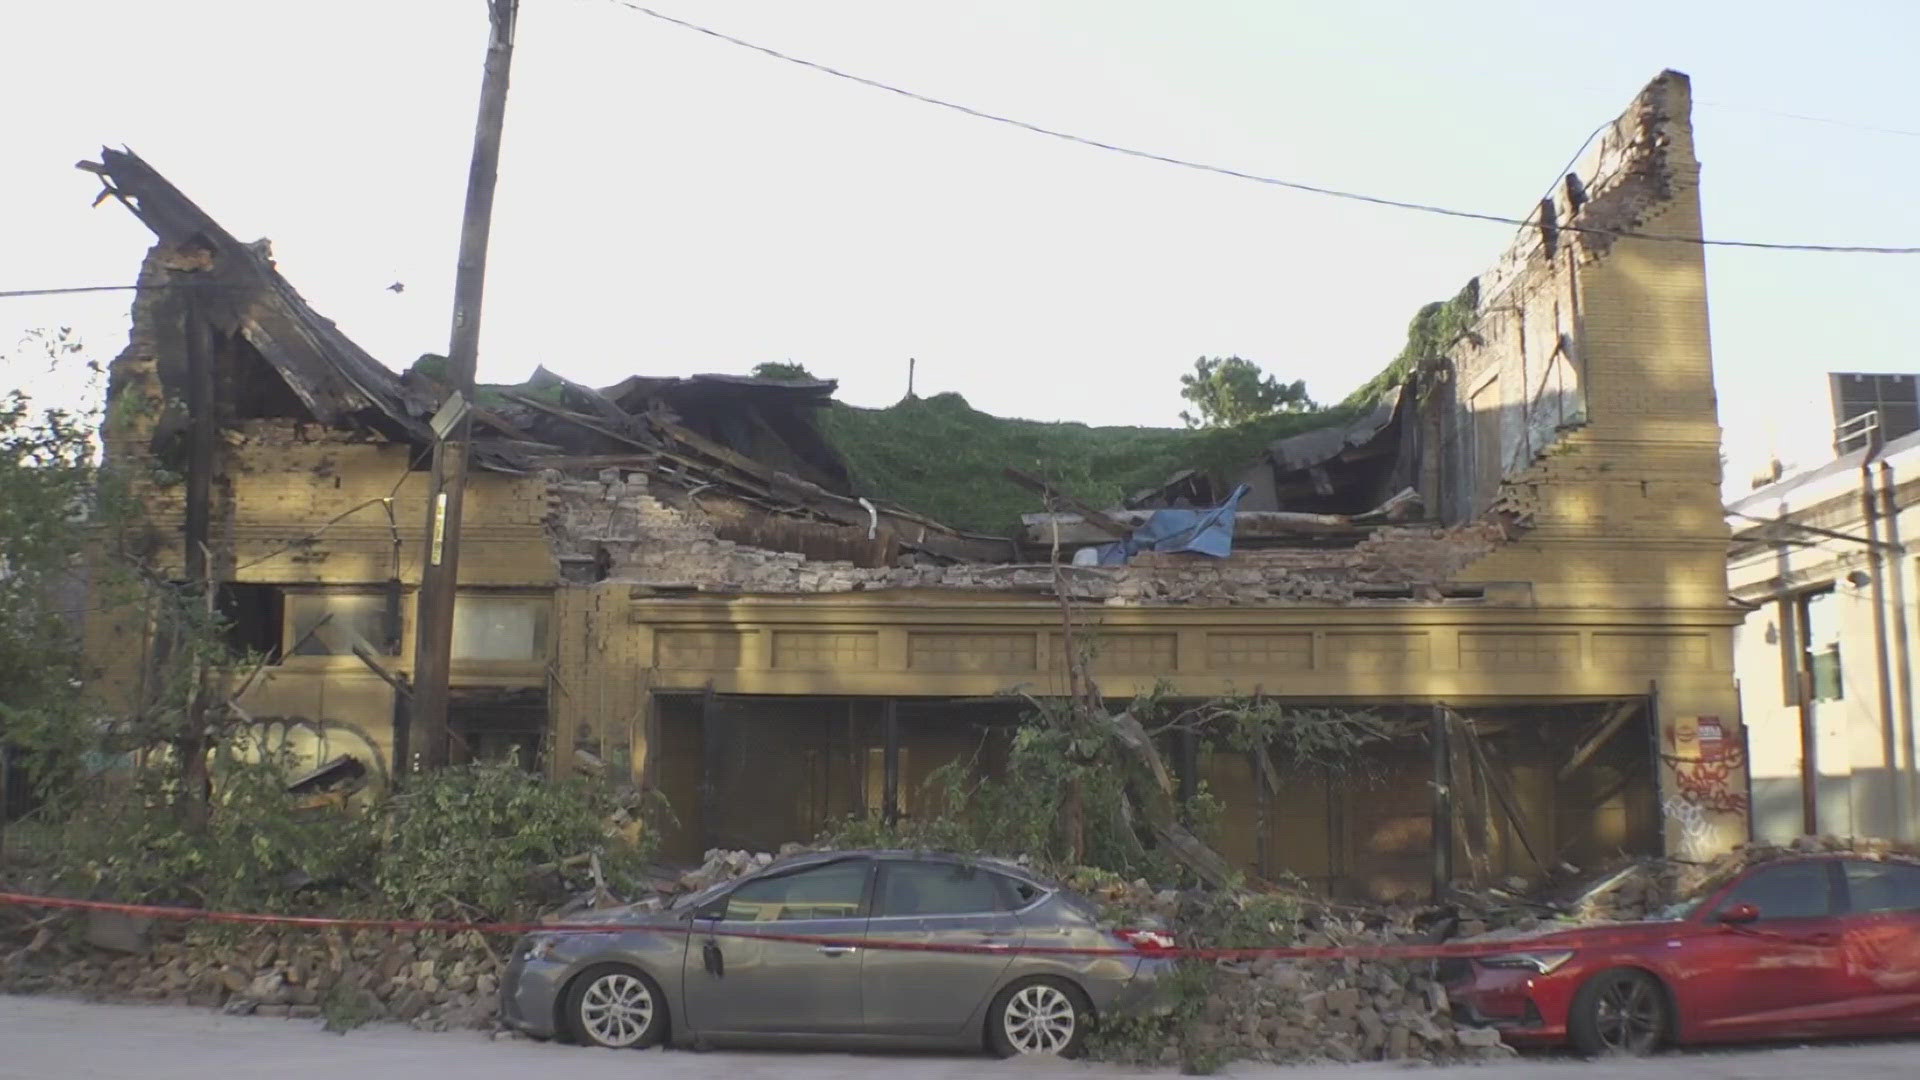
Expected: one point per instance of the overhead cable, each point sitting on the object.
(1221, 170)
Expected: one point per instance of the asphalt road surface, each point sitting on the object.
(54, 1038)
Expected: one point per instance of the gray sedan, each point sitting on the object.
(684, 975)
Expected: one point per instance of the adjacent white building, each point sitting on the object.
(1827, 560)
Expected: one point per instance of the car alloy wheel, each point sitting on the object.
(1039, 1019)
(616, 1007)
(1620, 1012)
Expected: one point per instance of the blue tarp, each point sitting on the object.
(1206, 532)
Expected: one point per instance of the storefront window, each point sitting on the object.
(500, 628)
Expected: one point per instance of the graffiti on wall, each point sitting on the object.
(1708, 765)
(317, 740)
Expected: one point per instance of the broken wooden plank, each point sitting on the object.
(726, 455)
(1158, 805)
(577, 419)
(1133, 735)
(1247, 525)
(1497, 782)
(1608, 729)
(924, 535)
(366, 657)
(1093, 516)
(593, 461)
(481, 414)
(1404, 504)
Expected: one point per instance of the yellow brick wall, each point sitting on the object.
(301, 505)
(1625, 512)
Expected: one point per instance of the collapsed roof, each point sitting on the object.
(751, 439)
(749, 452)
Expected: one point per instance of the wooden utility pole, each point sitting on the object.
(193, 745)
(440, 570)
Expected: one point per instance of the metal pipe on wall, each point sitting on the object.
(1793, 666)
(1883, 672)
(1902, 651)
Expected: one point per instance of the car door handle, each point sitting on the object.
(1821, 939)
(837, 950)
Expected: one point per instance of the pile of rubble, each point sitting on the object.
(431, 981)
(1287, 1012)
(618, 525)
(721, 865)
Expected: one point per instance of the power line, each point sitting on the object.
(1854, 124)
(10, 293)
(1313, 189)
(13, 293)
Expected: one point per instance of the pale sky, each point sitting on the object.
(671, 204)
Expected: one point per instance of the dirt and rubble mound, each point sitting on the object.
(620, 524)
(431, 981)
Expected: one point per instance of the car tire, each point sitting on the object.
(615, 1006)
(1620, 1012)
(1040, 1016)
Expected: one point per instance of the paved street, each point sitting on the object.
(47, 1038)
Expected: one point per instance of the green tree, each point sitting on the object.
(46, 484)
(1230, 391)
(775, 369)
(73, 542)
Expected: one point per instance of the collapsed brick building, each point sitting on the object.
(680, 580)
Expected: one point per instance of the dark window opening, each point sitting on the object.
(253, 616)
(498, 726)
(256, 390)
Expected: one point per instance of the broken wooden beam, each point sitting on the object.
(577, 419)
(1592, 745)
(365, 656)
(1497, 783)
(1247, 525)
(1093, 516)
(1157, 804)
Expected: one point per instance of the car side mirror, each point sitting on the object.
(713, 910)
(1739, 915)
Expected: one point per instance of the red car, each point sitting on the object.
(1804, 947)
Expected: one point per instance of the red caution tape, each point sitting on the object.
(321, 922)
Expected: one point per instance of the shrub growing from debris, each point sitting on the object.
(123, 838)
(492, 839)
(474, 841)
